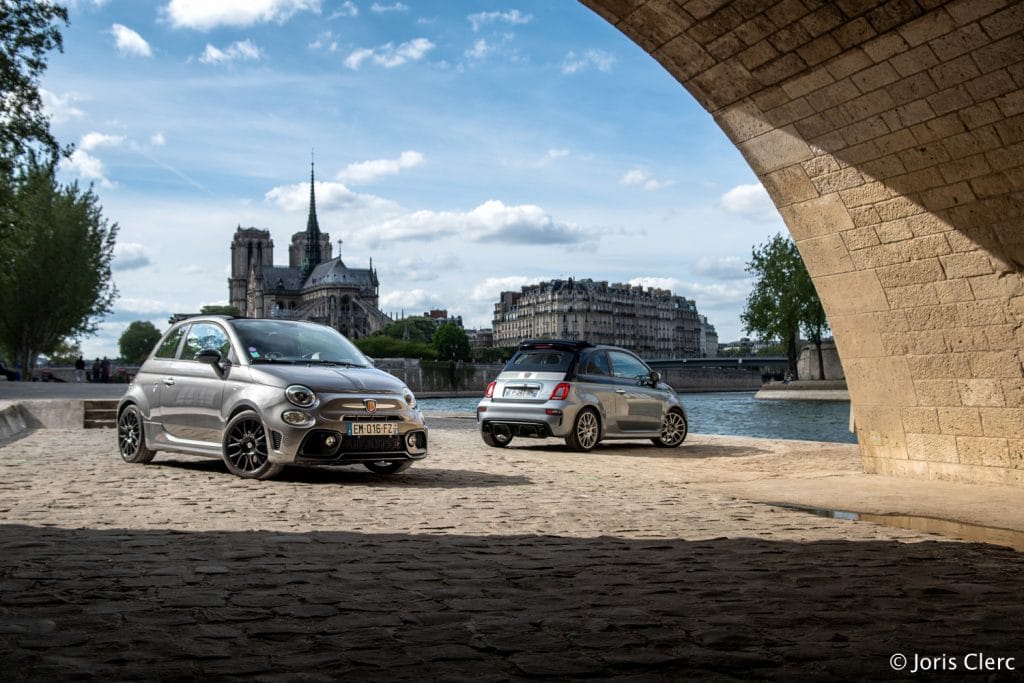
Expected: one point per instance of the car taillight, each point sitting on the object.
(560, 392)
(490, 390)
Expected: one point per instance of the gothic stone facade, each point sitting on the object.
(313, 286)
(652, 322)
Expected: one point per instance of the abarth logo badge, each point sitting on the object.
(370, 405)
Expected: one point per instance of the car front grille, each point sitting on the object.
(371, 444)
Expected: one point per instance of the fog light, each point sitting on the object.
(297, 418)
(331, 441)
(411, 440)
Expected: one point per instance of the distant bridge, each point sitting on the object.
(722, 362)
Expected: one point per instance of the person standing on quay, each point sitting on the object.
(79, 369)
(95, 371)
(105, 370)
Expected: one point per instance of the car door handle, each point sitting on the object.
(169, 381)
(620, 391)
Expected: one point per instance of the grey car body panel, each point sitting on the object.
(628, 408)
(187, 404)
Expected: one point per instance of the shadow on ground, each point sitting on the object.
(125, 604)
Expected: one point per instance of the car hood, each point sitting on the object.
(328, 379)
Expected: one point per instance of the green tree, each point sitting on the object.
(28, 30)
(451, 343)
(382, 346)
(65, 352)
(138, 340)
(55, 255)
(414, 329)
(216, 309)
(783, 300)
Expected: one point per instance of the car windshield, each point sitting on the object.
(541, 360)
(281, 341)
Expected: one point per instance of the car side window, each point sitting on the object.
(596, 364)
(628, 367)
(169, 347)
(202, 337)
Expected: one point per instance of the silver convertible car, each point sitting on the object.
(262, 394)
(581, 393)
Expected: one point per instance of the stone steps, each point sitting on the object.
(100, 414)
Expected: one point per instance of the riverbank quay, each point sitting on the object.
(805, 390)
(627, 563)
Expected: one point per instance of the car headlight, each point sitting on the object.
(300, 396)
(409, 398)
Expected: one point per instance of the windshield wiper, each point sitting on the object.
(339, 363)
(273, 361)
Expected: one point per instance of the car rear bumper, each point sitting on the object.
(539, 420)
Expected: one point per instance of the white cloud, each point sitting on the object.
(479, 50)
(193, 270)
(204, 15)
(239, 50)
(420, 269)
(129, 43)
(510, 17)
(390, 56)
(142, 305)
(411, 301)
(157, 139)
(86, 167)
(641, 177)
(721, 268)
(58, 108)
(591, 59)
(347, 9)
(708, 297)
(381, 9)
(492, 221)
(368, 171)
(130, 256)
(91, 141)
(329, 197)
(750, 201)
(325, 41)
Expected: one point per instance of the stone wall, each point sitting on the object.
(890, 135)
(807, 364)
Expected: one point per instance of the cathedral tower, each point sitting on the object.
(251, 248)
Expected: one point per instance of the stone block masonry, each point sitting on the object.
(890, 135)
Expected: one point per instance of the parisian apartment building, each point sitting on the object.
(654, 323)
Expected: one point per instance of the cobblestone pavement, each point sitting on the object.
(476, 564)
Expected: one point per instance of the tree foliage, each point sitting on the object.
(451, 342)
(55, 254)
(383, 346)
(783, 300)
(28, 30)
(138, 340)
(412, 329)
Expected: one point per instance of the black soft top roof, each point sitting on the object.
(564, 344)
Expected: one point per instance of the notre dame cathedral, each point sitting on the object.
(313, 286)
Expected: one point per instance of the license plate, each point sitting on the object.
(372, 428)
(520, 393)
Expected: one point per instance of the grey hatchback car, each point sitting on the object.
(263, 394)
(582, 393)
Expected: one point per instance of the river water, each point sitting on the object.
(733, 414)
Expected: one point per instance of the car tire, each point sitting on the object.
(245, 448)
(388, 466)
(673, 430)
(496, 440)
(131, 437)
(586, 431)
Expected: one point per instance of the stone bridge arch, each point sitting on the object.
(890, 135)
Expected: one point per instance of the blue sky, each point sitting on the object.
(465, 147)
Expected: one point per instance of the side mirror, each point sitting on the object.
(213, 358)
(209, 356)
(655, 377)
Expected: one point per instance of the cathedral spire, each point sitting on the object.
(314, 254)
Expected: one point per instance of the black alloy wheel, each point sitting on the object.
(131, 438)
(245, 448)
